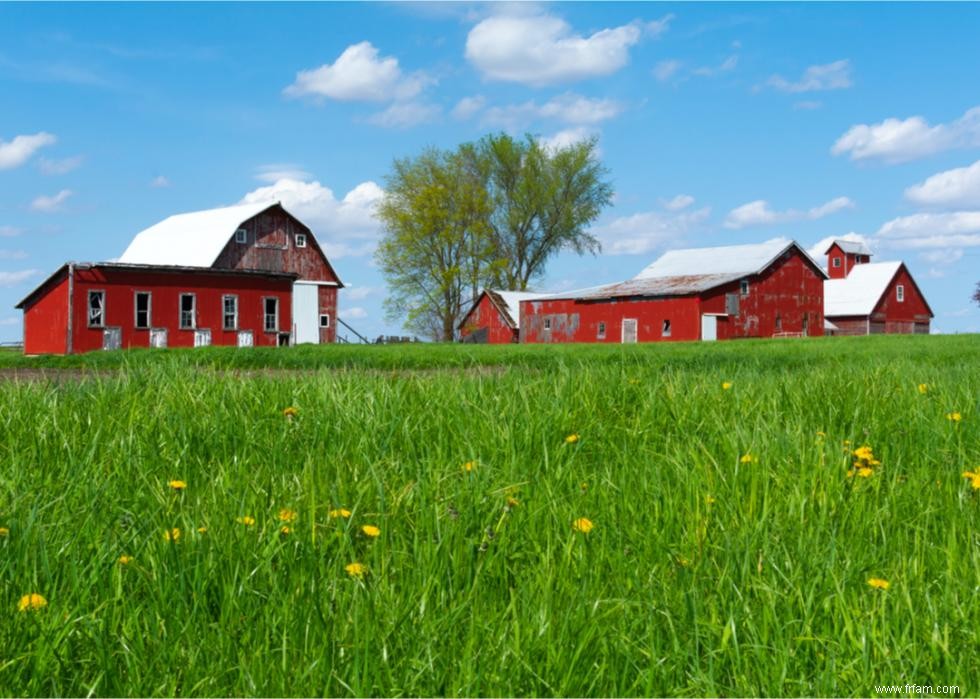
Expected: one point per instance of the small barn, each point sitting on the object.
(494, 317)
(866, 298)
(243, 275)
(772, 289)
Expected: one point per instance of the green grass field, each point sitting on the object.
(730, 551)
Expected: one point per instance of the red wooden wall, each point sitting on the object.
(578, 321)
(46, 321)
(908, 316)
(485, 316)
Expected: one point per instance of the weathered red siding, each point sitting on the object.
(484, 323)
(121, 285)
(578, 321)
(852, 325)
(909, 316)
(46, 320)
(327, 296)
(847, 261)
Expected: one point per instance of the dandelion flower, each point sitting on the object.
(171, 534)
(571, 439)
(747, 459)
(202, 530)
(177, 485)
(583, 525)
(286, 515)
(125, 560)
(31, 603)
(725, 385)
(290, 412)
(923, 388)
(864, 453)
(865, 472)
(371, 530)
(4, 532)
(469, 466)
(974, 477)
(339, 512)
(878, 583)
(247, 520)
(285, 531)
(954, 417)
(356, 570)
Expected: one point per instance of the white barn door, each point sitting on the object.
(306, 317)
(629, 330)
(709, 327)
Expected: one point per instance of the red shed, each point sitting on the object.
(495, 317)
(872, 298)
(765, 290)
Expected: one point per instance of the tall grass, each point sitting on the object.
(703, 574)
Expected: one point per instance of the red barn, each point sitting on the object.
(240, 275)
(766, 290)
(495, 317)
(865, 298)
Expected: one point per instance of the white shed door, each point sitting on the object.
(112, 338)
(158, 337)
(629, 330)
(245, 338)
(709, 327)
(306, 317)
(202, 337)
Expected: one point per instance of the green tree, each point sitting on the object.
(976, 294)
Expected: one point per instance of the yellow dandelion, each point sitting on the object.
(177, 485)
(725, 385)
(125, 560)
(202, 530)
(356, 570)
(285, 531)
(974, 477)
(4, 532)
(954, 417)
(923, 388)
(583, 525)
(879, 583)
(371, 530)
(339, 512)
(171, 534)
(469, 466)
(290, 412)
(286, 515)
(31, 603)
(865, 472)
(747, 459)
(571, 439)
(247, 520)
(864, 453)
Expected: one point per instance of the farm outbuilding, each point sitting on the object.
(495, 317)
(242, 275)
(866, 298)
(764, 290)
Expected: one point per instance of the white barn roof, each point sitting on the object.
(852, 247)
(859, 292)
(730, 260)
(190, 240)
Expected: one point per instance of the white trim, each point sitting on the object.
(314, 283)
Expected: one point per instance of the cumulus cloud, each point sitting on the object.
(8, 279)
(359, 293)
(273, 172)
(359, 74)
(402, 115)
(566, 138)
(900, 140)
(955, 229)
(648, 230)
(354, 313)
(569, 108)
(959, 187)
(759, 213)
(818, 251)
(18, 151)
(46, 204)
(542, 49)
(159, 182)
(343, 227)
(830, 76)
(681, 201)
(468, 107)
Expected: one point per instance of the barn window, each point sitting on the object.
(744, 287)
(601, 335)
(836, 262)
(187, 307)
(779, 323)
(324, 320)
(301, 240)
(241, 236)
(900, 293)
(229, 312)
(142, 304)
(271, 307)
(547, 323)
(665, 329)
(96, 309)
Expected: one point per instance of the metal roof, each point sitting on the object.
(853, 247)
(193, 239)
(858, 293)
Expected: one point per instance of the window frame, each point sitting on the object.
(547, 325)
(224, 312)
(241, 236)
(265, 314)
(743, 287)
(665, 328)
(300, 240)
(323, 325)
(88, 308)
(601, 330)
(900, 293)
(136, 310)
(836, 262)
(181, 311)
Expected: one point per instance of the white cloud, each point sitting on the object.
(18, 151)
(467, 107)
(681, 201)
(899, 140)
(818, 251)
(658, 26)
(759, 213)
(60, 167)
(12, 255)
(542, 49)
(344, 227)
(46, 204)
(8, 279)
(640, 233)
(354, 313)
(959, 187)
(956, 229)
(725, 66)
(359, 293)
(569, 108)
(402, 115)
(9, 231)
(159, 182)
(273, 172)
(566, 138)
(831, 76)
(665, 70)
(358, 75)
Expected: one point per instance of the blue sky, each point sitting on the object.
(720, 124)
